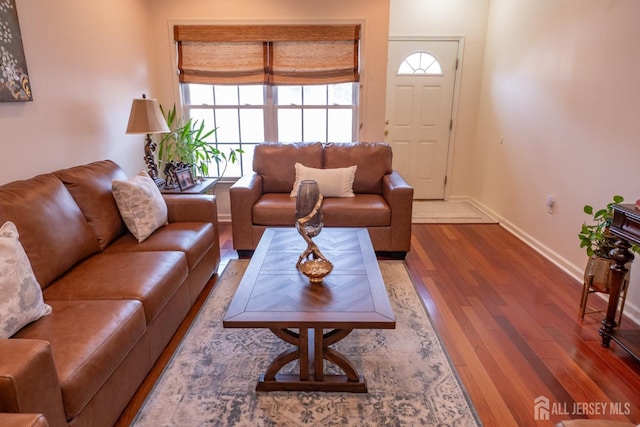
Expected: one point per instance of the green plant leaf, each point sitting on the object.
(596, 237)
(189, 142)
(600, 214)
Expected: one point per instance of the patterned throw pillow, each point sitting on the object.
(20, 294)
(337, 182)
(141, 205)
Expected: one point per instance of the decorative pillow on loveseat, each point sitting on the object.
(336, 182)
(20, 294)
(141, 205)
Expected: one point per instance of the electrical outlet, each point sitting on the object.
(551, 203)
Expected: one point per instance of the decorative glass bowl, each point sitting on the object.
(316, 269)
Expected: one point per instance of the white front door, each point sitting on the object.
(421, 78)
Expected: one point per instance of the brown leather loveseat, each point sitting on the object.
(382, 199)
(115, 302)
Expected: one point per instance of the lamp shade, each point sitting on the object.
(146, 117)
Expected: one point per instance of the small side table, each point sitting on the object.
(626, 227)
(199, 188)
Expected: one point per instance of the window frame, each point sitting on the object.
(270, 110)
(419, 71)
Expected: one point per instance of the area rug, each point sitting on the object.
(441, 212)
(212, 376)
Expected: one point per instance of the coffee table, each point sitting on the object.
(274, 295)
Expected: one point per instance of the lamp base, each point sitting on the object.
(149, 148)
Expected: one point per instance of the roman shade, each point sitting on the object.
(268, 54)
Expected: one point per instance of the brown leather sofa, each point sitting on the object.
(382, 202)
(23, 420)
(116, 302)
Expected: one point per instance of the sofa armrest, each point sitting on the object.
(192, 208)
(243, 194)
(399, 195)
(22, 420)
(29, 380)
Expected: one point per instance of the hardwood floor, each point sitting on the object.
(509, 321)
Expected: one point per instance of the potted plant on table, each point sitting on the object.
(186, 144)
(598, 242)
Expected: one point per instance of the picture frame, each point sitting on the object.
(184, 178)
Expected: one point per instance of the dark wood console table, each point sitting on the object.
(625, 226)
(200, 187)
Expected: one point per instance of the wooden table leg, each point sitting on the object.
(318, 354)
(288, 356)
(621, 255)
(312, 360)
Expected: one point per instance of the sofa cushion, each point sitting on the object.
(89, 340)
(20, 293)
(43, 206)
(149, 277)
(364, 210)
(275, 209)
(141, 204)
(193, 238)
(336, 182)
(374, 160)
(275, 162)
(90, 186)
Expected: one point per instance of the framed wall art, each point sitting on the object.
(14, 78)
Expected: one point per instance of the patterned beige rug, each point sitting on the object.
(212, 377)
(440, 212)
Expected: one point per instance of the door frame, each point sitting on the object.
(456, 95)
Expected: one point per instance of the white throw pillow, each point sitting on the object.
(20, 294)
(336, 182)
(141, 205)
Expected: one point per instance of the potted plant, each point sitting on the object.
(186, 143)
(598, 242)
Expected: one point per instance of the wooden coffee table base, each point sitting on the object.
(311, 317)
(311, 350)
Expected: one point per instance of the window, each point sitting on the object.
(246, 115)
(284, 83)
(420, 63)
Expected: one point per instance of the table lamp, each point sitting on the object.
(146, 117)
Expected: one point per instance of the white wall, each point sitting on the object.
(561, 86)
(86, 62)
(452, 18)
(373, 13)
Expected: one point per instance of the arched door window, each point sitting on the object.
(420, 63)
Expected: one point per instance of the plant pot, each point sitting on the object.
(598, 273)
